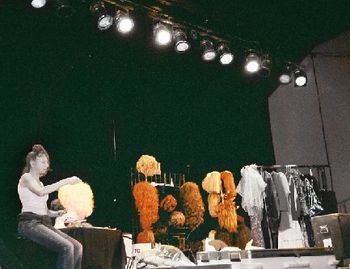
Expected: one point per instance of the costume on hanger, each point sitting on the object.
(251, 187)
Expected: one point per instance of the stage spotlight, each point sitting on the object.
(300, 79)
(162, 34)
(252, 63)
(124, 23)
(38, 3)
(181, 43)
(104, 19)
(209, 53)
(225, 55)
(64, 8)
(286, 76)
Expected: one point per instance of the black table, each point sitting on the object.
(103, 248)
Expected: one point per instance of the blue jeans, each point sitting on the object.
(69, 250)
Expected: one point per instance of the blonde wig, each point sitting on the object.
(148, 165)
(192, 203)
(212, 182)
(177, 219)
(146, 201)
(213, 204)
(77, 198)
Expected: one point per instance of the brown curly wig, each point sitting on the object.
(168, 203)
(192, 203)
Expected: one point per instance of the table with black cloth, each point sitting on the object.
(103, 248)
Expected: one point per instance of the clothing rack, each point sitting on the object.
(292, 166)
(318, 167)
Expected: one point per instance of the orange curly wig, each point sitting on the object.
(146, 236)
(227, 216)
(229, 185)
(146, 201)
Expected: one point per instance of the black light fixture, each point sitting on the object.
(124, 24)
(104, 19)
(265, 66)
(300, 78)
(162, 34)
(38, 3)
(225, 54)
(252, 63)
(209, 52)
(64, 8)
(180, 39)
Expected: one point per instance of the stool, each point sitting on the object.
(32, 255)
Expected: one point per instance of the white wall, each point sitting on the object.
(311, 125)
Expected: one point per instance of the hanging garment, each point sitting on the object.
(291, 237)
(271, 216)
(283, 193)
(289, 232)
(251, 187)
(272, 204)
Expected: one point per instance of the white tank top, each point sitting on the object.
(32, 202)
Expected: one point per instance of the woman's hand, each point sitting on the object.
(72, 180)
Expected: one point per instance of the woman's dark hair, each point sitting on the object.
(37, 151)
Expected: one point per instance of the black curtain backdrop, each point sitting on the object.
(68, 86)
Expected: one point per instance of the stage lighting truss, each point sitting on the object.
(184, 35)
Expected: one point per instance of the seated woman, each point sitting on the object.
(34, 220)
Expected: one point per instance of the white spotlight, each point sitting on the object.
(181, 44)
(252, 63)
(300, 79)
(104, 19)
(38, 3)
(162, 34)
(209, 53)
(124, 23)
(104, 22)
(285, 78)
(226, 57)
